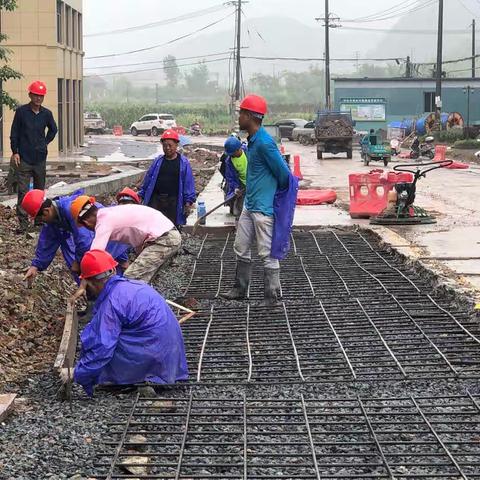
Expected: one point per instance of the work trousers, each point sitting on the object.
(166, 204)
(26, 172)
(154, 254)
(251, 226)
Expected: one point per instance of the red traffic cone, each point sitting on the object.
(296, 167)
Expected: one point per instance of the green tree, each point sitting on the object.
(6, 72)
(197, 80)
(172, 72)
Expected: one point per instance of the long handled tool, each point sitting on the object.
(197, 223)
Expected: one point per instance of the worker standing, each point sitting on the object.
(61, 231)
(29, 144)
(153, 235)
(236, 173)
(271, 193)
(133, 336)
(169, 185)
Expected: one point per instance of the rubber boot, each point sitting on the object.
(272, 289)
(242, 280)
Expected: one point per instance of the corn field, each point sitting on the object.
(214, 118)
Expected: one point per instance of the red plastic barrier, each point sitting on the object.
(369, 191)
(440, 152)
(316, 197)
(118, 130)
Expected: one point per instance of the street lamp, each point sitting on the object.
(468, 90)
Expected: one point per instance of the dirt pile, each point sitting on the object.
(31, 320)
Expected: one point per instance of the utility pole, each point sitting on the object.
(408, 68)
(239, 39)
(473, 48)
(438, 86)
(156, 94)
(328, 24)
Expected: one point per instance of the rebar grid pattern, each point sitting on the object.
(303, 437)
(349, 313)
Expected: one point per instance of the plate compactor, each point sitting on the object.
(401, 209)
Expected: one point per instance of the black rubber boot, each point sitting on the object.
(272, 289)
(242, 280)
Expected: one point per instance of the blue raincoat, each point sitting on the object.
(186, 186)
(283, 212)
(133, 337)
(231, 174)
(73, 241)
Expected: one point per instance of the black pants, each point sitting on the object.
(165, 204)
(26, 172)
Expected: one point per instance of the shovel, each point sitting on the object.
(197, 223)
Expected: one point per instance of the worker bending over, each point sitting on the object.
(61, 231)
(148, 231)
(133, 336)
(269, 205)
(127, 196)
(236, 172)
(168, 185)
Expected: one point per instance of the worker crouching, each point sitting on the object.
(169, 185)
(270, 198)
(133, 336)
(236, 173)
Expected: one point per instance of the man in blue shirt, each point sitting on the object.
(29, 143)
(267, 173)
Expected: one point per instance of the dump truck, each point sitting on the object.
(334, 133)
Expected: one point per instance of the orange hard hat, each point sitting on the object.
(37, 88)
(254, 103)
(96, 262)
(129, 193)
(77, 207)
(32, 202)
(170, 135)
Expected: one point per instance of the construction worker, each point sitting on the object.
(153, 235)
(61, 231)
(127, 196)
(29, 144)
(168, 185)
(133, 336)
(269, 205)
(236, 172)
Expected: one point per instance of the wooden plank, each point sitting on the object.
(6, 404)
(68, 345)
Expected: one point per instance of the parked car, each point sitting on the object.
(93, 122)
(153, 124)
(286, 126)
(305, 134)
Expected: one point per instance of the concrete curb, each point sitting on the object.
(111, 183)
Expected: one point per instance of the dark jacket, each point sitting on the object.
(27, 136)
(186, 187)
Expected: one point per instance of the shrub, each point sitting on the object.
(449, 136)
(467, 144)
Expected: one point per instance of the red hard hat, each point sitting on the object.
(128, 192)
(255, 104)
(96, 262)
(37, 88)
(170, 134)
(32, 202)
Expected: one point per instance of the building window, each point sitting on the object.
(80, 110)
(80, 31)
(75, 113)
(60, 94)
(68, 99)
(68, 22)
(428, 101)
(59, 21)
(74, 29)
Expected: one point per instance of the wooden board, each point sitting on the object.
(68, 345)
(6, 404)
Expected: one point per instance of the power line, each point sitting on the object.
(157, 68)
(162, 44)
(157, 61)
(406, 31)
(188, 16)
(318, 59)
